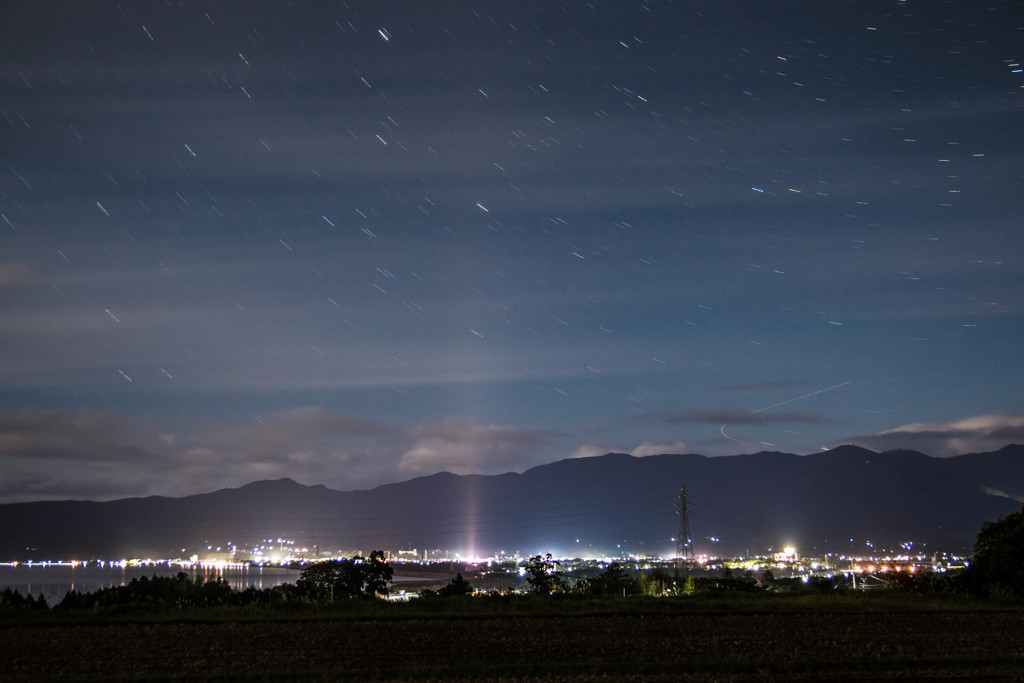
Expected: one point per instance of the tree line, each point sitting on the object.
(320, 583)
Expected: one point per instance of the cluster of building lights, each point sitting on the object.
(286, 552)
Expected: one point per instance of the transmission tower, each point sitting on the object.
(684, 543)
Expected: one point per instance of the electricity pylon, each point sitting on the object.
(684, 544)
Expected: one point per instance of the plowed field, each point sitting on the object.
(694, 647)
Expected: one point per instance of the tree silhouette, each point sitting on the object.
(542, 575)
(998, 563)
(12, 599)
(457, 587)
(356, 577)
(613, 581)
(330, 580)
(376, 574)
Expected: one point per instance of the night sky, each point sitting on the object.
(354, 243)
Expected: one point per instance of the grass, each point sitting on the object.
(840, 636)
(518, 606)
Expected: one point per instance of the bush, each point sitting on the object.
(997, 567)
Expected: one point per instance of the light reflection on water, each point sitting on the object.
(53, 581)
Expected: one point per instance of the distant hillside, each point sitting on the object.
(836, 501)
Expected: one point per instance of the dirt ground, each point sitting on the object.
(965, 646)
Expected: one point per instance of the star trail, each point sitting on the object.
(354, 243)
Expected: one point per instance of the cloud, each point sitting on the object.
(1001, 494)
(96, 438)
(50, 454)
(592, 450)
(20, 485)
(288, 428)
(975, 434)
(465, 446)
(107, 455)
(651, 448)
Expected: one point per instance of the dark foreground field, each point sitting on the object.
(872, 645)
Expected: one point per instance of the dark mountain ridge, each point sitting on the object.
(845, 501)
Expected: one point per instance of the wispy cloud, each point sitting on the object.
(592, 450)
(464, 446)
(652, 448)
(969, 435)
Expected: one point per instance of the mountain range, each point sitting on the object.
(848, 501)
